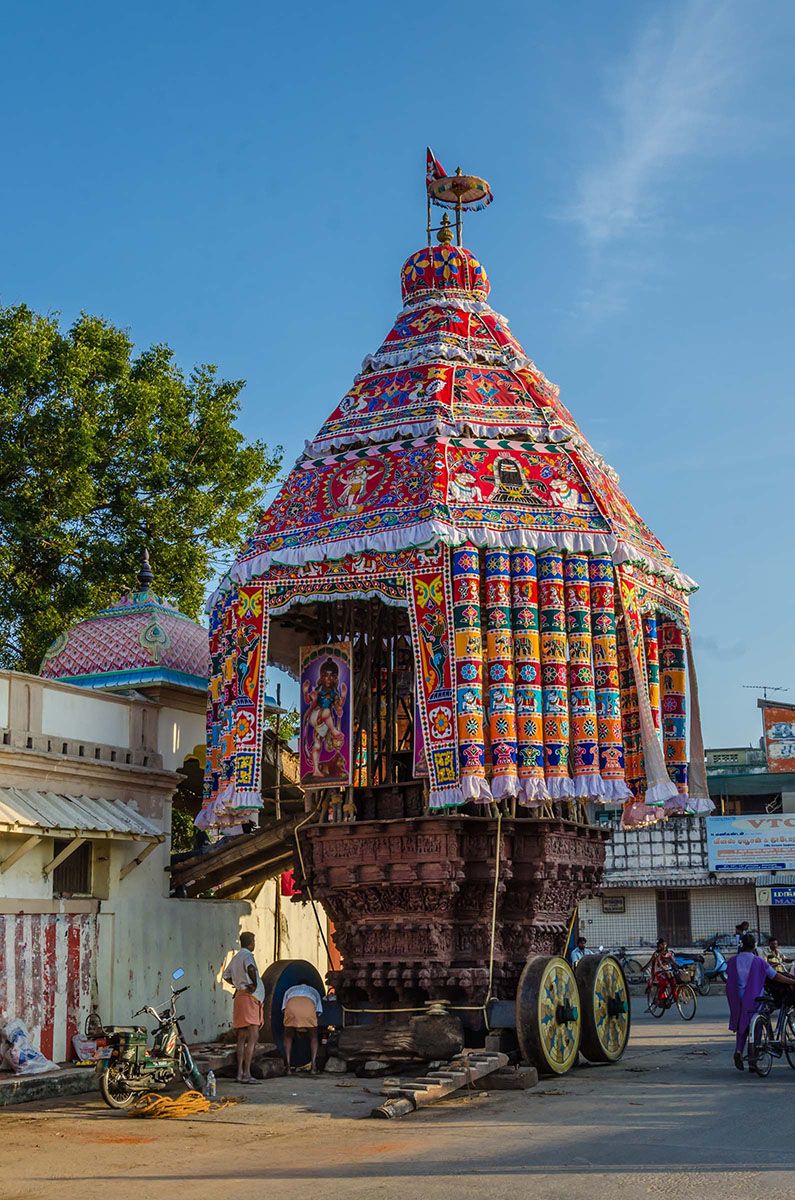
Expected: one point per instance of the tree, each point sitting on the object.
(102, 452)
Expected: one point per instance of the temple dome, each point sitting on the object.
(139, 641)
(443, 270)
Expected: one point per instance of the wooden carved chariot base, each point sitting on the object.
(411, 901)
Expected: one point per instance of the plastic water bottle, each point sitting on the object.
(210, 1088)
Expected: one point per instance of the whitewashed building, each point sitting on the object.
(90, 755)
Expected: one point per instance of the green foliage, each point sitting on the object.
(103, 452)
(183, 832)
(288, 724)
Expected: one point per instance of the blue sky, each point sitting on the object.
(244, 182)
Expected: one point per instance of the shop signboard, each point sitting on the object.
(750, 845)
(775, 897)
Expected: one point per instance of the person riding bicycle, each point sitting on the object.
(662, 965)
(747, 974)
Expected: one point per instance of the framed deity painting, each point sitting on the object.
(326, 741)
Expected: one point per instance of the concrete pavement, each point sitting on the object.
(674, 1118)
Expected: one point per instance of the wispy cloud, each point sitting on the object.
(672, 102)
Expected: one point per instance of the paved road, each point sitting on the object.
(673, 1119)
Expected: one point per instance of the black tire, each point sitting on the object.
(653, 1002)
(788, 1037)
(760, 1056)
(704, 985)
(606, 1014)
(633, 971)
(686, 1001)
(277, 978)
(548, 1014)
(114, 1088)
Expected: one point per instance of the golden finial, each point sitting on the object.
(445, 233)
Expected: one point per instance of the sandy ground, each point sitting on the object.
(673, 1118)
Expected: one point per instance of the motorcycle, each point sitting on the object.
(132, 1067)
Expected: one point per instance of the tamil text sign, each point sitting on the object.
(747, 845)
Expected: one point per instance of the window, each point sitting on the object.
(72, 877)
(673, 916)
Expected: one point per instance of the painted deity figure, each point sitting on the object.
(324, 705)
(355, 484)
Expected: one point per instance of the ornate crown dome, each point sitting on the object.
(443, 270)
(141, 640)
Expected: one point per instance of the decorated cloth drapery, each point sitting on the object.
(673, 703)
(698, 787)
(527, 688)
(659, 787)
(652, 650)
(431, 613)
(469, 673)
(554, 674)
(251, 629)
(606, 680)
(582, 697)
(238, 641)
(499, 651)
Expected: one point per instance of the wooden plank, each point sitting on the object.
(136, 862)
(75, 844)
(461, 1072)
(21, 849)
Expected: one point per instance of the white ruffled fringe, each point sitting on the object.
(616, 792)
(657, 795)
(560, 787)
(504, 787)
(476, 788)
(533, 792)
(589, 786)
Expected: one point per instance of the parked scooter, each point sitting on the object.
(132, 1067)
(720, 968)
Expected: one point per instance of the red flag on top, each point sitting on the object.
(433, 169)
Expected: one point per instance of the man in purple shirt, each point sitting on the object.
(746, 976)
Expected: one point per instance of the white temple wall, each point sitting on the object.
(142, 939)
(178, 733)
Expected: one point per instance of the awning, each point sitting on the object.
(54, 814)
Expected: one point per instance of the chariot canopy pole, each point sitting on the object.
(457, 191)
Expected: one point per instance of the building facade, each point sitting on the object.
(90, 759)
(657, 881)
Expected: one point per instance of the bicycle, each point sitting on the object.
(766, 1043)
(667, 990)
(633, 970)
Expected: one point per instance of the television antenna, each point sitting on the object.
(764, 688)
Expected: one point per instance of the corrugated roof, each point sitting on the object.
(23, 810)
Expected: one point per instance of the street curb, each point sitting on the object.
(68, 1081)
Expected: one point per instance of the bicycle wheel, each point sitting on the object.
(760, 1035)
(653, 1002)
(788, 1038)
(686, 1002)
(633, 971)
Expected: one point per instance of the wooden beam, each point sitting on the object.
(75, 844)
(139, 858)
(21, 849)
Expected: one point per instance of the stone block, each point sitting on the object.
(336, 1066)
(509, 1079)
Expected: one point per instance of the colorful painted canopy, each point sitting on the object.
(136, 642)
(450, 434)
(549, 625)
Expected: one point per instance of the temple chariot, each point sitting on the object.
(492, 648)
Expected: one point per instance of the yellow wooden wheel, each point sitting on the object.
(605, 1008)
(548, 1023)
